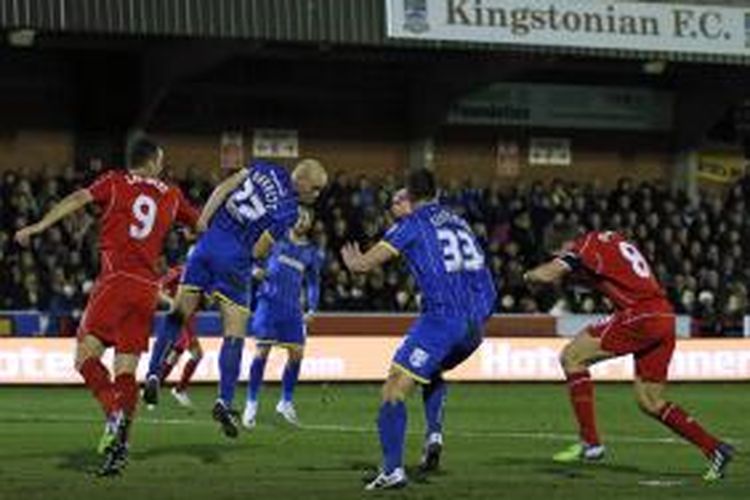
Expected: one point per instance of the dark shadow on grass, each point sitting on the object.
(582, 470)
(86, 460)
(368, 471)
(206, 453)
(81, 460)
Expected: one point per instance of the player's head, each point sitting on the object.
(401, 203)
(145, 154)
(560, 237)
(304, 222)
(309, 177)
(420, 184)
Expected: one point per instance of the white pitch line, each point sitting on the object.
(538, 436)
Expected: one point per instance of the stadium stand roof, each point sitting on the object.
(353, 22)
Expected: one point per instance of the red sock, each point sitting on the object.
(187, 373)
(127, 393)
(169, 363)
(97, 378)
(683, 424)
(582, 398)
(166, 369)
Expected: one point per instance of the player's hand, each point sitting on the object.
(259, 274)
(23, 236)
(170, 304)
(190, 235)
(350, 253)
(200, 227)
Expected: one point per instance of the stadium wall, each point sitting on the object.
(36, 151)
(459, 152)
(604, 156)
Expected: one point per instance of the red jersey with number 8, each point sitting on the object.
(137, 213)
(616, 268)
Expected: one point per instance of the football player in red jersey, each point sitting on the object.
(188, 341)
(137, 211)
(643, 324)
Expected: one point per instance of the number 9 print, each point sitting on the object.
(144, 211)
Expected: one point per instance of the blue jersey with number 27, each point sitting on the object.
(264, 201)
(446, 261)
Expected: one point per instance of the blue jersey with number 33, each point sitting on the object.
(446, 261)
(264, 201)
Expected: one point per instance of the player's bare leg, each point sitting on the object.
(195, 351)
(254, 383)
(98, 379)
(116, 455)
(649, 396)
(185, 303)
(392, 430)
(576, 358)
(235, 319)
(285, 406)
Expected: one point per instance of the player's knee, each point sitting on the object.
(569, 360)
(295, 353)
(392, 394)
(85, 350)
(80, 359)
(196, 353)
(648, 403)
(396, 387)
(126, 363)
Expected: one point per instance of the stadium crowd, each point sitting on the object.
(696, 247)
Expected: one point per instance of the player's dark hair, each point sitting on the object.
(141, 151)
(560, 233)
(420, 184)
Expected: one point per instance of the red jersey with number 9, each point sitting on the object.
(616, 268)
(137, 213)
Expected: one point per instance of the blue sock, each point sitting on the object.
(165, 339)
(230, 359)
(433, 396)
(392, 429)
(257, 367)
(289, 379)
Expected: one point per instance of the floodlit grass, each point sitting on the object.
(499, 439)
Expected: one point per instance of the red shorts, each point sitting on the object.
(646, 332)
(120, 312)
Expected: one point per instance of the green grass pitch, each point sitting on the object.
(499, 438)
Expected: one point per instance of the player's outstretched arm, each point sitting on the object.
(357, 262)
(68, 205)
(262, 248)
(218, 196)
(549, 272)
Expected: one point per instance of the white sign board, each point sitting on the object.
(663, 27)
(275, 143)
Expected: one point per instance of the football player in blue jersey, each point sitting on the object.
(279, 319)
(244, 215)
(458, 296)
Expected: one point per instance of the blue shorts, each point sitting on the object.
(220, 265)
(269, 327)
(435, 344)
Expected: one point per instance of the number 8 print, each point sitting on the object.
(637, 262)
(144, 211)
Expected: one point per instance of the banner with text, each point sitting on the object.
(565, 106)
(50, 361)
(663, 27)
